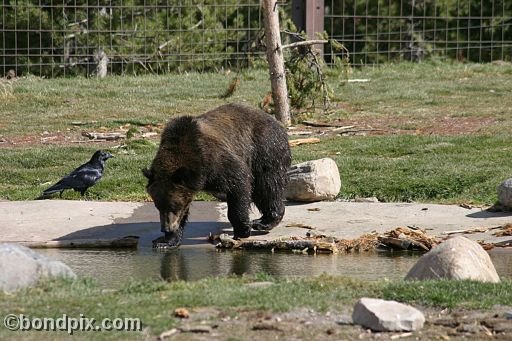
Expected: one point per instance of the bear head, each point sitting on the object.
(172, 194)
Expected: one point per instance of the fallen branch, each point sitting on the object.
(320, 124)
(303, 245)
(399, 238)
(103, 136)
(355, 131)
(81, 123)
(125, 242)
(167, 334)
(343, 128)
(472, 230)
(88, 141)
(302, 226)
(149, 134)
(304, 43)
(298, 142)
(364, 80)
(301, 132)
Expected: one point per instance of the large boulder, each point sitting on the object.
(380, 315)
(505, 193)
(456, 258)
(313, 181)
(21, 267)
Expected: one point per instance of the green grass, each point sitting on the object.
(450, 294)
(393, 168)
(441, 169)
(418, 168)
(433, 89)
(26, 172)
(154, 302)
(35, 105)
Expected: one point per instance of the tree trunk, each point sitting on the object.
(276, 61)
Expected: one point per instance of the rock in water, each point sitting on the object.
(313, 181)
(381, 315)
(456, 258)
(21, 267)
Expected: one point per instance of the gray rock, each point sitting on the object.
(456, 258)
(505, 193)
(381, 315)
(314, 180)
(21, 267)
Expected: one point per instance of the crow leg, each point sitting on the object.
(83, 193)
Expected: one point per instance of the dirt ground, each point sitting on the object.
(210, 324)
(360, 124)
(404, 125)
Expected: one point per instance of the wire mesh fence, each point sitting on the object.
(377, 31)
(65, 37)
(70, 37)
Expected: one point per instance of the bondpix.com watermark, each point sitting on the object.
(70, 324)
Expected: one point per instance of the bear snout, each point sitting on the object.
(169, 222)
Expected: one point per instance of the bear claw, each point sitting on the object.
(258, 225)
(163, 243)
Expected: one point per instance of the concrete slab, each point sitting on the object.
(43, 220)
(351, 219)
(64, 219)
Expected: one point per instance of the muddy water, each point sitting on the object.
(112, 268)
(197, 259)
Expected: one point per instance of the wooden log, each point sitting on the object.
(303, 245)
(298, 142)
(130, 242)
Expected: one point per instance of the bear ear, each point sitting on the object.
(147, 173)
(186, 177)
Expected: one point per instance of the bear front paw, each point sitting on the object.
(165, 243)
(260, 225)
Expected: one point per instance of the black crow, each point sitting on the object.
(81, 178)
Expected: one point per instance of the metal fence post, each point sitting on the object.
(308, 16)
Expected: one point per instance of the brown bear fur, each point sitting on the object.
(233, 151)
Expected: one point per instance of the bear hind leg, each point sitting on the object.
(238, 214)
(269, 201)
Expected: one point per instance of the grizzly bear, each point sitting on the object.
(234, 151)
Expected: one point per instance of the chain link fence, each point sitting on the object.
(85, 37)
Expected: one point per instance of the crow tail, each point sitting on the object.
(52, 190)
